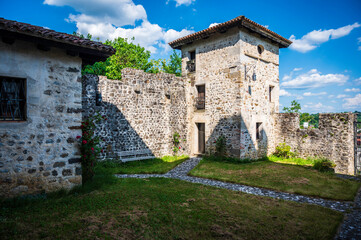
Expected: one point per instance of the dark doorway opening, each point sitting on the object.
(201, 138)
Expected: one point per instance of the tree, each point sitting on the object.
(294, 108)
(173, 65)
(127, 55)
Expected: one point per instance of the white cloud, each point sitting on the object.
(352, 102)
(342, 96)
(358, 81)
(313, 79)
(297, 69)
(266, 26)
(118, 12)
(313, 39)
(284, 93)
(352, 90)
(107, 20)
(318, 107)
(309, 94)
(182, 2)
(212, 25)
(359, 40)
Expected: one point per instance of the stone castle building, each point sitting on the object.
(229, 88)
(232, 82)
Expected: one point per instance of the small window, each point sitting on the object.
(201, 98)
(270, 92)
(259, 131)
(192, 55)
(250, 90)
(191, 64)
(12, 99)
(260, 49)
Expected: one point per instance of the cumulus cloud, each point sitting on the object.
(118, 12)
(313, 79)
(109, 19)
(309, 94)
(352, 102)
(318, 107)
(342, 96)
(284, 93)
(359, 42)
(358, 81)
(213, 24)
(182, 2)
(352, 90)
(315, 38)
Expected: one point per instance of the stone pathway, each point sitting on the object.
(180, 172)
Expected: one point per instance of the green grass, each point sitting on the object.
(281, 177)
(156, 165)
(294, 161)
(110, 208)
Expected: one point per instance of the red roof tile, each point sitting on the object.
(240, 21)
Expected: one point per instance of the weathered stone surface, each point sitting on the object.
(74, 160)
(27, 144)
(140, 116)
(59, 164)
(333, 139)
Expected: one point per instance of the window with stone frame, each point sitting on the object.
(259, 131)
(270, 92)
(12, 99)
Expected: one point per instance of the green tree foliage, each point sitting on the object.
(294, 108)
(129, 55)
(173, 65)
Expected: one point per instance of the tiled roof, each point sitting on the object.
(240, 21)
(44, 33)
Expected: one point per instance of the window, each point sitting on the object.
(201, 98)
(259, 131)
(250, 90)
(12, 99)
(260, 49)
(191, 64)
(270, 92)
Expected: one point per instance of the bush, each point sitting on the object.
(233, 159)
(176, 142)
(89, 146)
(323, 165)
(284, 151)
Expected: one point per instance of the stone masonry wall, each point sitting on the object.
(235, 102)
(143, 110)
(40, 154)
(334, 139)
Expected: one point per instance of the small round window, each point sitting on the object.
(260, 49)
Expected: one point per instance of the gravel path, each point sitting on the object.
(180, 172)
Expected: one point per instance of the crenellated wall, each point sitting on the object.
(143, 109)
(334, 139)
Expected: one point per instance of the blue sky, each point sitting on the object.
(322, 69)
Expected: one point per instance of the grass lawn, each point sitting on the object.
(279, 176)
(110, 208)
(156, 165)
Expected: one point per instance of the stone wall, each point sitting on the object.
(144, 110)
(40, 154)
(235, 101)
(334, 139)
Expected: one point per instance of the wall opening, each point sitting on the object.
(259, 131)
(201, 138)
(201, 96)
(270, 93)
